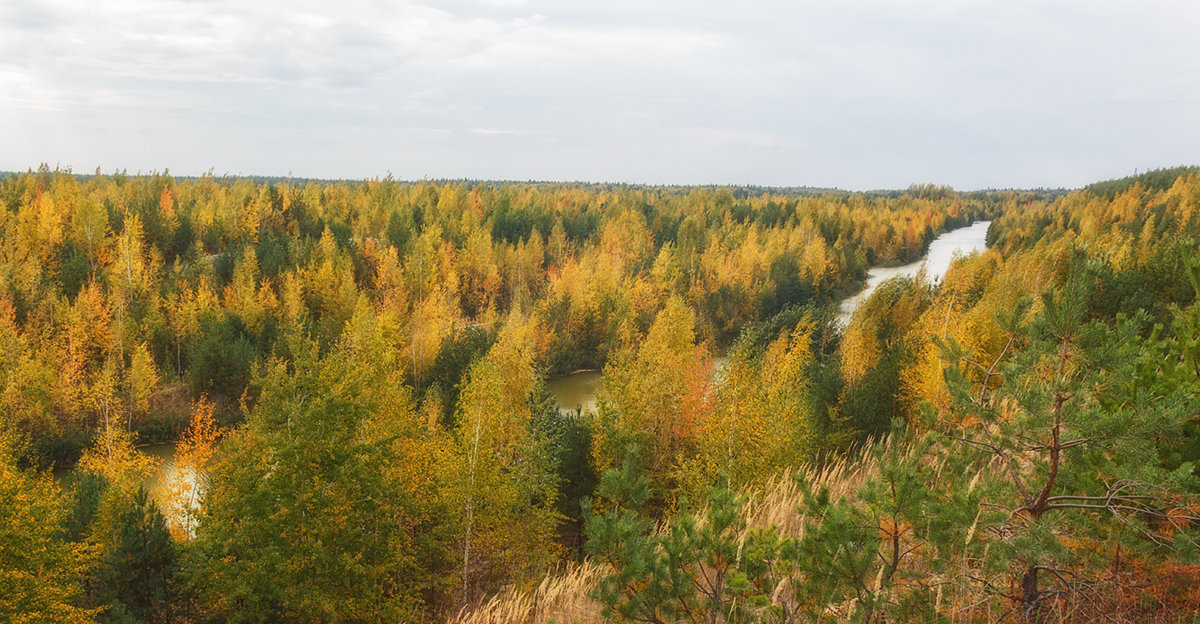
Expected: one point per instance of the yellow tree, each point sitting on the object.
(89, 228)
(133, 281)
(40, 572)
(185, 484)
(504, 488)
(242, 295)
(646, 389)
(481, 281)
(142, 379)
(329, 287)
(432, 286)
(113, 456)
(432, 320)
(88, 328)
(26, 382)
(760, 421)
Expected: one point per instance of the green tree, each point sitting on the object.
(564, 439)
(221, 356)
(85, 490)
(1077, 440)
(692, 570)
(1173, 360)
(136, 574)
(302, 521)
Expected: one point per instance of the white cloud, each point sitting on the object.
(861, 93)
(496, 132)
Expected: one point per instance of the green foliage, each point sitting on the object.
(337, 501)
(1156, 179)
(155, 256)
(74, 270)
(503, 470)
(453, 361)
(566, 438)
(757, 336)
(221, 357)
(135, 579)
(1076, 430)
(872, 403)
(881, 553)
(1149, 287)
(878, 346)
(790, 288)
(302, 521)
(86, 490)
(690, 571)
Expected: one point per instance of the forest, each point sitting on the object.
(354, 378)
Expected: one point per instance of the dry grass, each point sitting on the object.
(778, 503)
(1144, 593)
(562, 598)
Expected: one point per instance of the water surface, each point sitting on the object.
(942, 250)
(578, 390)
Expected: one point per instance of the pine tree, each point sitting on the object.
(136, 574)
(699, 567)
(1076, 439)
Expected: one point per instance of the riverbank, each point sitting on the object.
(578, 390)
(936, 261)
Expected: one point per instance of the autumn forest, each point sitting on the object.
(354, 382)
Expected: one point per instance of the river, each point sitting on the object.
(578, 390)
(156, 483)
(942, 250)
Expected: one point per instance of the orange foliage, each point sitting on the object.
(186, 481)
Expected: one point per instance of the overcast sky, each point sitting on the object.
(856, 94)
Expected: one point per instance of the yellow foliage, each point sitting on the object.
(143, 378)
(494, 477)
(859, 349)
(185, 483)
(241, 295)
(113, 456)
(131, 267)
(645, 387)
(759, 423)
(41, 574)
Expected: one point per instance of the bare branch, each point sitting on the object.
(991, 589)
(987, 376)
(1118, 497)
(1107, 507)
(983, 445)
(1013, 473)
(1066, 445)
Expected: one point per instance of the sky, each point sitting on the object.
(853, 94)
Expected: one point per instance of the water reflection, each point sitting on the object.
(577, 390)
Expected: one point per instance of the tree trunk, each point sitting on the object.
(1029, 593)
